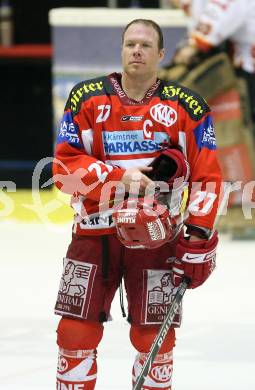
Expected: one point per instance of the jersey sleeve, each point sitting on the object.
(75, 170)
(205, 174)
(218, 21)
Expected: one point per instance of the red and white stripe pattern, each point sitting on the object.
(77, 370)
(160, 375)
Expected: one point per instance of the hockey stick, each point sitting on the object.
(164, 328)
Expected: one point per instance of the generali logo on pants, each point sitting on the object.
(75, 288)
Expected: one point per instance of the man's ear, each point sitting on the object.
(161, 54)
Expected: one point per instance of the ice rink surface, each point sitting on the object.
(215, 346)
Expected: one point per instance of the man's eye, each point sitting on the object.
(129, 44)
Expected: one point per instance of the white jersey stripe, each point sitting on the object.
(136, 162)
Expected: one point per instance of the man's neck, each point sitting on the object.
(136, 88)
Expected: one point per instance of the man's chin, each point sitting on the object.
(136, 71)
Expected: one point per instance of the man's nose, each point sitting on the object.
(137, 49)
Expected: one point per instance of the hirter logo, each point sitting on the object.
(163, 114)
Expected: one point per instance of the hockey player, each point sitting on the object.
(120, 132)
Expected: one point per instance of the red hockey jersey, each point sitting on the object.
(103, 132)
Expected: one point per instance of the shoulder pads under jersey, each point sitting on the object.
(85, 90)
(191, 101)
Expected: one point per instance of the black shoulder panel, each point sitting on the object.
(84, 90)
(191, 101)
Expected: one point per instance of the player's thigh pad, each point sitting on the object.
(142, 338)
(89, 279)
(150, 291)
(79, 334)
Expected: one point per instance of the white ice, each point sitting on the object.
(215, 346)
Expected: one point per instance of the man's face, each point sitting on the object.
(140, 52)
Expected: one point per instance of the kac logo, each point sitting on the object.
(162, 373)
(62, 364)
(163, 114)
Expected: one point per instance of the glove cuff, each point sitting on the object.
(197, 251)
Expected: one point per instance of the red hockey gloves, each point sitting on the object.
(195, 260)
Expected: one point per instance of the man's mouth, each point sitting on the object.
(136, 62)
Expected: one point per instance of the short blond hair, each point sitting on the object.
(147, 22)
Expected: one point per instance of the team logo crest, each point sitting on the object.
(158, 294)
(62, 364)
(75, 288)
(162, 373)
(163, 114)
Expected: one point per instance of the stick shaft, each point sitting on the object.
(161, 335)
